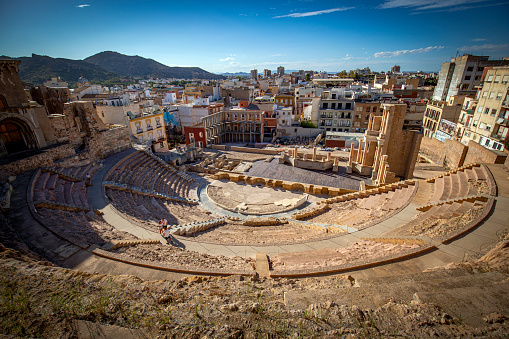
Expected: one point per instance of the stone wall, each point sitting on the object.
(478, 154)
(452, 153)
(109, 142)
(46, 158)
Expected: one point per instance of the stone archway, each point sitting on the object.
(16, 136)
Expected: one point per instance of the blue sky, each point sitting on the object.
(231, 36)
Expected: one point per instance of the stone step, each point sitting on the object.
(375, 292)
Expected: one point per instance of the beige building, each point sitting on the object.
(490, 120)
(117, 115)
(438, 110)
(150, 129)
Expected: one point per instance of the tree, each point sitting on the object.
(307, 124)
(430, 81)
(308, 76)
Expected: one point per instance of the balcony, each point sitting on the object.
(497, 136)
(149, 128)
(139, 130)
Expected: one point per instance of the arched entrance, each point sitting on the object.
(16, 136)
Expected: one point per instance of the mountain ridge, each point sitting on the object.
(36, 69)
(137, 66)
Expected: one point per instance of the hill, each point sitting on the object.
(136, 66)
(40, 68)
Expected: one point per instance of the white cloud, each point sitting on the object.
(426, 4)
(406, 51)
(346, 56)
(276, 55)
(227, 59)
(81, 6)
(305, 14)
(485, 47)
(478, 39)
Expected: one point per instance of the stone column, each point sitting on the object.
(352, 149)
(329, 156)
(359, 152)
(370, 122)
(296, 149)
(314, 153)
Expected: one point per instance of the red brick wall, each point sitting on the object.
(334, 143)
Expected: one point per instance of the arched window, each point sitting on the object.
(16, 135)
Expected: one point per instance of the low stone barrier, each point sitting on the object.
(311, 212)
(169, 267)
(270, 221)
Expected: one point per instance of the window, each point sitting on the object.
(468, 77)
(464, 87)
(505, 79)
(476, 78)
(484, 94)
(487, 143)
(368, 109)
(348, 105)
(499, 96)
(479, 109)
(358, 116)
(340, 105)
(490, 78)
(475, 123)
(488, 127)
(333, 96)
(359, 109)
(325, 105)
(497, 79)
(486, 110)
(492, 95)
(493, 112)
(470, 69)
(333, 105)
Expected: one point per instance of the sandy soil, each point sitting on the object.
(234, 233)
(177, 256)
(359, 251)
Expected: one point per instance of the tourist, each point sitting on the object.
(88, 179)
(163, 223)
(167, 235)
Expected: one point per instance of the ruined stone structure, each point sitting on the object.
(26, 125)
(22, 123)
(309, 161)
(388, 150)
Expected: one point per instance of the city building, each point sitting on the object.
(462, 75)
(395, 69)
(363, 110)
(267, 73)
(490, 119)
(438, 110)
(254, 74)
(280, 71)
(231, 126)
(336, 111)
(150, 129)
